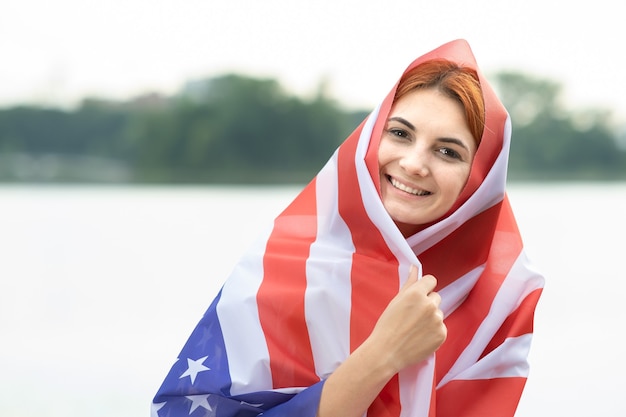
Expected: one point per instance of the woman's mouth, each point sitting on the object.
(396, 184)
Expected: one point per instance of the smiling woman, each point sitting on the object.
(394, 284)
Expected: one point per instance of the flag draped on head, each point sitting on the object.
(311, 289)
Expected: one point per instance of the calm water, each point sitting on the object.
(100, 287)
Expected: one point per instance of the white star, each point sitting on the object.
(199, 401)
(193, 367)
(154, 409)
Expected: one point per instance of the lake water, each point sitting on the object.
(100, 287)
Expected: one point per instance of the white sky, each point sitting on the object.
(56, 52)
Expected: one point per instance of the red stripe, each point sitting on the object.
(462, 250)
(497, 397)
(387, 403)
(519, 323)
(280, 298)
(463, 323)
(490, 144)
(374, 274)
(371, 158)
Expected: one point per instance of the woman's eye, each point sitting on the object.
(450, 153)
(398, 133)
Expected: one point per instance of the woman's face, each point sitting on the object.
(425, 156)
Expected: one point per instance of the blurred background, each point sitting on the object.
(143, 144)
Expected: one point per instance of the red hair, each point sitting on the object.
(457, 82)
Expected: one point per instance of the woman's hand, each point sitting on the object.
(411, 328)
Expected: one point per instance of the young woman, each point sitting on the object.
(395, 284)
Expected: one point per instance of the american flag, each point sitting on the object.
(310, 290)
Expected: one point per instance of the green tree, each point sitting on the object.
(235, 128)
(238, 129)
(551, 142)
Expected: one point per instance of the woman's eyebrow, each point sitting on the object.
(454, 141)
(403, 121)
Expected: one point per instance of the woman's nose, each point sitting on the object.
(415, 162)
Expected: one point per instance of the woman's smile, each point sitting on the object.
(407, 189)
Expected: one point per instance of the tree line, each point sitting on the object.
(241, 129)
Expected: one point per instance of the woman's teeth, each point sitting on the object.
(406, 189)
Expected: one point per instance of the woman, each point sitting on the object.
(395, 284)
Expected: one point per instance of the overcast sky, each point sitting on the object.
(56, 52)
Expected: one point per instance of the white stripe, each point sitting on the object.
(374, 206)
(453, 295)
(416, 384)
(519, 282)
(248, 355)
(328, 270)
(507, 360)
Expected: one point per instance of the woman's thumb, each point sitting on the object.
(412, 279)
